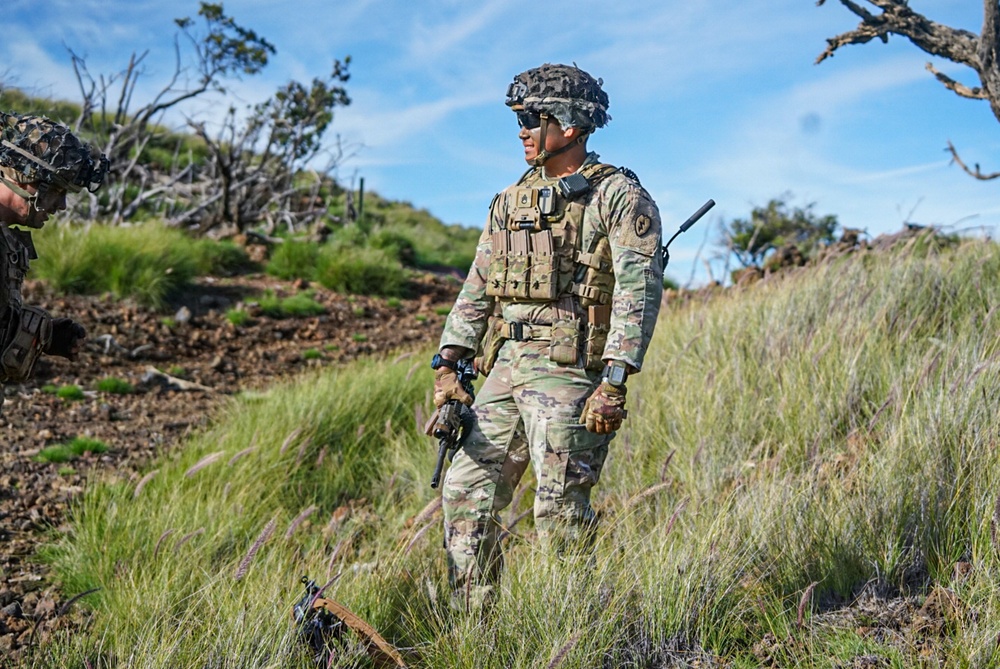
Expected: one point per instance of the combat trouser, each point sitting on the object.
(526, 411)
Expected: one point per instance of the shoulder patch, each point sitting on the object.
(640, 231)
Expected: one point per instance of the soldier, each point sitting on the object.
(559, 305)
(40, 162)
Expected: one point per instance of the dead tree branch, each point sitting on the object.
(977, 173)
(981, 53)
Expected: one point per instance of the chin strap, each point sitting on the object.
(30, 198)
(543, 154)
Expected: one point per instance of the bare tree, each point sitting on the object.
(225, 49)
(259, 162)
(979, 52)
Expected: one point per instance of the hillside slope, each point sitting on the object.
(808, 477)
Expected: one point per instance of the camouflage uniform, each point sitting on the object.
(529, 406)
(42, 153)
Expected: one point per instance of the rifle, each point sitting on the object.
(454, 421)
(692, 219)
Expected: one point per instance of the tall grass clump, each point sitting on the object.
(360, 270)
(146, 262)
(793, 450)
(293, 259)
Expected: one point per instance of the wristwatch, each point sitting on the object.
(440, 361)
(616, 373)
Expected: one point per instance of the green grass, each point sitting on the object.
(834, 427)
(147, 262)
(300, 304)
(70, 393)
(60, 453)
(115, 386)
(360, 270)
(293, 259)
(238, 317)
(311, 354)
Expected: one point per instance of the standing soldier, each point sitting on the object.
(40, 161)
(559, 307)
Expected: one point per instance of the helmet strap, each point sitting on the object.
(543, 153)
(13, 185)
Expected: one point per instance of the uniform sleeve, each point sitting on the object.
(635, 237)
(466, 324)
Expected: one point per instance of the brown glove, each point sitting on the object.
(605, 409)
(67, 336)
(447, 387)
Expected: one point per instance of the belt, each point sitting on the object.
(525, 331)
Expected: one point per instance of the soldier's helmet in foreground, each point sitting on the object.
(567, 93)
(36, 150)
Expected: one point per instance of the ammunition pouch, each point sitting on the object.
(598, 281)
(489, 348)
(598, 327)
(28, 334)
(569, 340)
(539, 255)
(522, 266)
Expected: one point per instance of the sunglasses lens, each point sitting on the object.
(528, 120)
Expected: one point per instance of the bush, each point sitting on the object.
(363, 271)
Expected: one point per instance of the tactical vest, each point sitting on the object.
(538, 256)
(24, 331)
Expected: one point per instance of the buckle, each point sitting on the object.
(517, 331)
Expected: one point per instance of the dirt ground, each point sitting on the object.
(195, 346)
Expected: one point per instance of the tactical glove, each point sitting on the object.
(67, 335)
(447, 387)
(605, 409)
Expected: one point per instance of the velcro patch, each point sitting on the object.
(641, 229)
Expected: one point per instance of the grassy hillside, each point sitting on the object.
(795, 448)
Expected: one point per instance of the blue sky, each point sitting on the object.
(716, 98)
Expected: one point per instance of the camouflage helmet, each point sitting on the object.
(34, 149)
(565, 92)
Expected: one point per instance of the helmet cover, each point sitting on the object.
(565, 92)
(34, 149)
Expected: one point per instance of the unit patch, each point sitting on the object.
(642, 233)
(642, 225)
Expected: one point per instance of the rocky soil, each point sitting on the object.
(182, 362)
